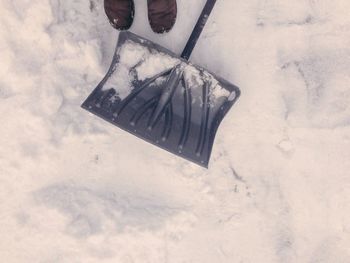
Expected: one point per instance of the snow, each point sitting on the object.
(140, 62)
(75, 189)
(132, 53)
(155, 64)
(121, 79)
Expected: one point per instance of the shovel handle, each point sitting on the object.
(202, 20)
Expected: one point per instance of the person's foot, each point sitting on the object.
(120, 13)
(162, 14)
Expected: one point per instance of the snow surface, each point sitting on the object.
(76, 189)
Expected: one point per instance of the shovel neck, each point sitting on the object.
(202, 20)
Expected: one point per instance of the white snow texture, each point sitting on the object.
(74, 188)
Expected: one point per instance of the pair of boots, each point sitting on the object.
(161, 14)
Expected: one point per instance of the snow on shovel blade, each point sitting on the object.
(163, 99)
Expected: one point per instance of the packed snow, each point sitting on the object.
(74, 188)
(137, 62)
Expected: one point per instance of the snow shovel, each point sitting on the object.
(160, 97)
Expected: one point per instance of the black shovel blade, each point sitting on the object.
(163, 99)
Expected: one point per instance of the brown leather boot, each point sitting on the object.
(162, 14)
(120, 13)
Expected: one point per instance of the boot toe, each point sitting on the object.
(120, 13)
(162, 15)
